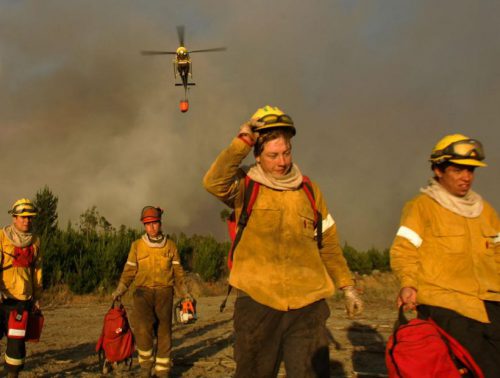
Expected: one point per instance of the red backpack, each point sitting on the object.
(116, 343)
(421, 349)
(235, 229)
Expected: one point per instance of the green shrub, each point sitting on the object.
(209, 257)
(365, 262)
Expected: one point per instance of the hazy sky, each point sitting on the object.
(371, 85)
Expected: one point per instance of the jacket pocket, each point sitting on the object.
(490, 236)
(307, 224)
(449, 238)
(166, 258)
(265, 219)
(142, 262)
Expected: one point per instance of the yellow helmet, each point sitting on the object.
(458, 149)
(272, 117)
(23, 207)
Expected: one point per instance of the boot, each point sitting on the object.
(162, 374)
(146, 368)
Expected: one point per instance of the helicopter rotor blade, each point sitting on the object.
(149, 52)
(180, 34)
(208, 50)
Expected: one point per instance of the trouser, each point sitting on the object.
(264, 337)
(15, 353)
(153, 313)
(482, 340)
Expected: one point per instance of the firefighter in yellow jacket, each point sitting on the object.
(281, 275)
(447, 253)
(20, 281)
(155, 266)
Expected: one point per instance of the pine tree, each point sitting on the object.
(45, 223)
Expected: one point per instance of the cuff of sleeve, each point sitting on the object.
(246, 139)
(346, 282)
(408, 282)
(241, 145)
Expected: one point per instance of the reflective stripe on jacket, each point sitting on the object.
(277, 261)
(154, 267)
(452, 261)
(22, 283)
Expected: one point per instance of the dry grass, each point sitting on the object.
(378, 287)
(62, 295)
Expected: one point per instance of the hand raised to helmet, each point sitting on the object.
(247, 132)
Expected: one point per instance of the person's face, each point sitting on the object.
(276, 157)
(22, 223)
(456, 179)
(152, 228)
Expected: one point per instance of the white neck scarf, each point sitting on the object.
(291, 181)
(18, 238)
(158, 242)
(469, 206)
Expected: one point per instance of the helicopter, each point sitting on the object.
(182, 64)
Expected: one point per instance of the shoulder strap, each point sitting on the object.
(250, 195)
(318, 219)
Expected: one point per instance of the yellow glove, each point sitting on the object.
(353, 302)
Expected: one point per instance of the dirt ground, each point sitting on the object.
(202, 349)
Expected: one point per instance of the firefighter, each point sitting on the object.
(446, 253)
(281, 275)
(20, 281)
(154, 265)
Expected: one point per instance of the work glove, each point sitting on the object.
(353, 302)
(247, 132)
(120, 290)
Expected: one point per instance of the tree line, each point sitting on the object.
(89, 256)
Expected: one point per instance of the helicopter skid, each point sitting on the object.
(180, 84)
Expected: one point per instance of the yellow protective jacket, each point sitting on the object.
(452, 261)
(277, 261)
(21, 283)
(154, 267)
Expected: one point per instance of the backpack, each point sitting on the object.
(235, 229)
(116, 343)
(421, 349)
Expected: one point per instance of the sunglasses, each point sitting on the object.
(463, 149)
(274, 118)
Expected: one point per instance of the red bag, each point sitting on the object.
(421, 349)
(116, 342)
(35, 326)
(18, 322)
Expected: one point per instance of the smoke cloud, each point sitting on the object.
(371, 86)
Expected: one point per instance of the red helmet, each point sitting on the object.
(151, 214)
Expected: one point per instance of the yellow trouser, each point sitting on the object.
(152, 316)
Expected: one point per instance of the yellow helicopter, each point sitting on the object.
(182, 64)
